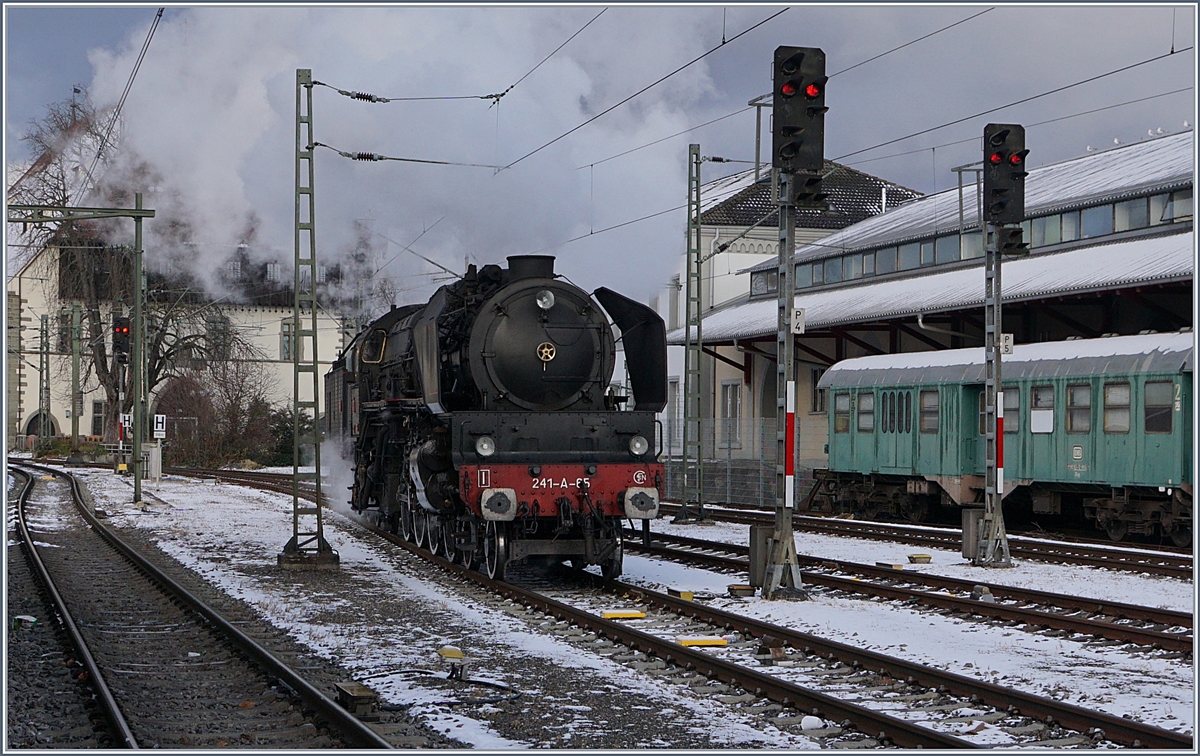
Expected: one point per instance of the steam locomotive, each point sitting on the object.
(482, 424)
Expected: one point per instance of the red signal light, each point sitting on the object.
(812, 91)
(995, 158)
(788, 89)
(1016, 158)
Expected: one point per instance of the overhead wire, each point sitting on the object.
(1015, 102)
(548, 57)
(370, 157)
(644, 89)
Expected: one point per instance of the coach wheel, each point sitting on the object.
(495, 549)
(468, 557)
(1116, 529)
(915, 509)
(1182, 537)
(420, 528)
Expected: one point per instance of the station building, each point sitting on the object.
(1112, 252)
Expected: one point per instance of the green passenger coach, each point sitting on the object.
(1094, 429)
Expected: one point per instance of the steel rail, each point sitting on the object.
(358, 733)
(1031, 617)
(1162, 563)
(104, 695)
(1118, 729)
(1100, 606)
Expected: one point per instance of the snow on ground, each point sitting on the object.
(1154, 690)
(231, 535)
(1111, 585)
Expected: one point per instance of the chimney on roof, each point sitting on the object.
(883, 198)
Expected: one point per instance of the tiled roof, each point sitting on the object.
(739, 200)
(1163, 163)
(1147, 260)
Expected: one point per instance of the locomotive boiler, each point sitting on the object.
(483, 425)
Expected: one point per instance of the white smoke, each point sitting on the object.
(213, 111)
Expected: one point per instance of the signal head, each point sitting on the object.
(812, 91)
(995, 158)
(788, 89)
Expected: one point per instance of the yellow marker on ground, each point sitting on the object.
(701, 640)
(679, 593)
(450, 652)
(623, 614)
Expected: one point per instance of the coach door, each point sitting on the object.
(894, 431)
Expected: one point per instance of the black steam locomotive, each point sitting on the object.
(483, 426)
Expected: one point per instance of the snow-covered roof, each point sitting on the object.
(1156, 164)
(1114, 355)
(1158, 259)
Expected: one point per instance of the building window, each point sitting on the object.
(731, 411)
(869, 264)
(98, 411)
(322, 273)
(819, 395)
(841, 413)
(287, 340)
(927, 252)
(833, 270)
(1070, 226)
(218, 338)
(866, 413)
(853, 267)
(946, 249)
(1079, 409)
(972, 245)
(272, 271)
(1047, 230)
(1116, 408)
(1096, 221)
(62, 342)
(818, 273)
(885, 260)
(1158, 405)
(804, 276)
(233, 269)
(1131, 214)
(929, 411)
(1179, 207)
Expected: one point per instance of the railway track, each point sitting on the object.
(1030, 609)
(170, 671)
(1112, 558)
(863, 698)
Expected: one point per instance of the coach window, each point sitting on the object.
(929, 412)
(866, 412)
(841, 413)
(1116, 408)
(1041, 413)
(1079, 409)
(372, 349)
(1158, 405)
(1012, 409)
(908, 413)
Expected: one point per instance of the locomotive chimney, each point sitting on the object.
(530, 266)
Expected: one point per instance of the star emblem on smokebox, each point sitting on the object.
(546, 351)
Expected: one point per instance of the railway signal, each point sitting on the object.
(798, 127)
(120, 341)
(1004, 172)
(1010, 241)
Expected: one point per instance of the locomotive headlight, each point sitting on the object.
(485, 446)
(545, 299)
(638, 446)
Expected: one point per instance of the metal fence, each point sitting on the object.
(738, 460)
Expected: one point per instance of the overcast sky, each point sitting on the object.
(212, 109)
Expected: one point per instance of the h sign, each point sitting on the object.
(160, 426)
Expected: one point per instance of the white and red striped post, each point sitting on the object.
(789, 464)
